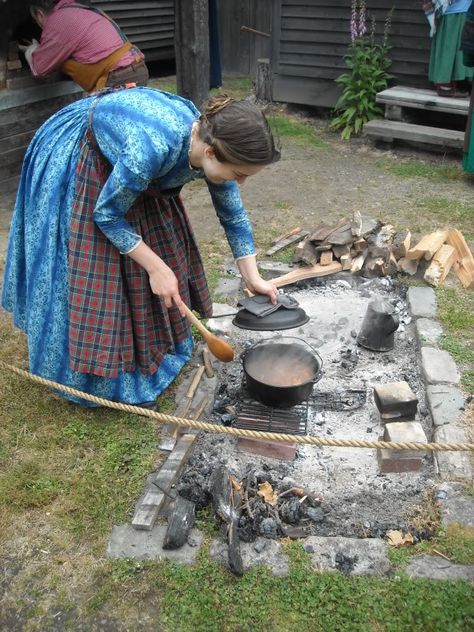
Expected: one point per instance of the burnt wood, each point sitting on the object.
(180, 523)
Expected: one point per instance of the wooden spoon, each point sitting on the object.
(218, 347)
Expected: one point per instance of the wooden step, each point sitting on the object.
(391, 130)
(421, 99)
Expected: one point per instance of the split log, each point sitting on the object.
(374, 266)
(392, 266)
(401, 243)
(440, 265)
(320, 232)
(180, 523)
(288, 234)
(464, 267)
(227, 506)
(346, 261)
(408, 266)
(340, 251)
(325, 258)
(309, 254)
(358, 262)
(359, 244)
(428, 245)
(379, 244)
(286, 242)
(297, 255)
(307, 272)
(356, 224)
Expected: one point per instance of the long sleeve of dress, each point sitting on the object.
(233, 217)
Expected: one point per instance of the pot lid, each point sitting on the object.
(277, 320)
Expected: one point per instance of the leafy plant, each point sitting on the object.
(368, 63)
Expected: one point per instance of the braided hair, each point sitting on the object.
(237, 131)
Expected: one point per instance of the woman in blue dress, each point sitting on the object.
(101, 254)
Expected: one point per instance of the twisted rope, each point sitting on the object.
(239, 432)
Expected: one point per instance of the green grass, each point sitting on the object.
(418, 169)
(300, 132)
(237, 87)
(442, 212)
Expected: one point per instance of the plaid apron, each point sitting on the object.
(116, 323)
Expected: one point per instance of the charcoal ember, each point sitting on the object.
(198, 495)
(290, 511)
(220, 404)
(269, 528)
(227, 419)
(315, 514)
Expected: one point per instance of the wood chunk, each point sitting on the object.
(356, 224)
(391, 267)
(320, 232)
(359, 244)
(286, 235)
(401, 243)
(206, 358)
(408, 266)
(309, 254)
(341, 236)
(346, 261)
(340, 251)
(322, 247)
(379, 244)
(325, 258)
(297, 255)
(374, 266)
(358, 262)
(428, 245)
(288, 241)
(180, 523)
(440, 265)
(464, 267)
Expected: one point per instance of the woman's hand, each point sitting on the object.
(254, 282)
(163, 281)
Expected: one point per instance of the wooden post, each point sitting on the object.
(192, 49)
(263, 81)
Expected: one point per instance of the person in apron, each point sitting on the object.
(101, 253)
(85, 44)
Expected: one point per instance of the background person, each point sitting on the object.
(101, 253)
(446, 69)
(85, 44)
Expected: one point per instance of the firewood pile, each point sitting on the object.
(373, 249)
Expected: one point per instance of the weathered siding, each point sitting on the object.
(147, 23)
(241, 49)
(310, 40)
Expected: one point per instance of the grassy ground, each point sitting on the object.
(67, 474)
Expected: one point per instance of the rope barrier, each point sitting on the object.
(239, 432)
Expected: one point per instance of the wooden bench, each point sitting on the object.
(399, 98)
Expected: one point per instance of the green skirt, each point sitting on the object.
(446, 60)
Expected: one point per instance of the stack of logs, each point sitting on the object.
(373, 248)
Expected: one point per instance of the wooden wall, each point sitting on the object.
(310, 38)
(147, 23)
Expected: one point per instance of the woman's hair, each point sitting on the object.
(237, 131)
(45, 5)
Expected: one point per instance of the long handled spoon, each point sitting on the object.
(218, 347)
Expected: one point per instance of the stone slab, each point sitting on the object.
(434, 567)
(453, 464)
(422, 302)
(439, 367)
(228, 288)
(351, 556)
(405, 432)
(127, 542)
(446, 403)
(395, 399)
(262, 552)
(428, 331)
(221, 325)
(457, 508)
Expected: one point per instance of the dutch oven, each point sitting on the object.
(281, 373)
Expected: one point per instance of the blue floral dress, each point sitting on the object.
(144, 136)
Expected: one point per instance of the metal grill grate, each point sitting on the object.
(254, 416)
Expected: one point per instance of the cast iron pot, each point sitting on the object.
(281, 373)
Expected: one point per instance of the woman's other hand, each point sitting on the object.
(163, 281)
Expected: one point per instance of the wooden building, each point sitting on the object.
(310, 39)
